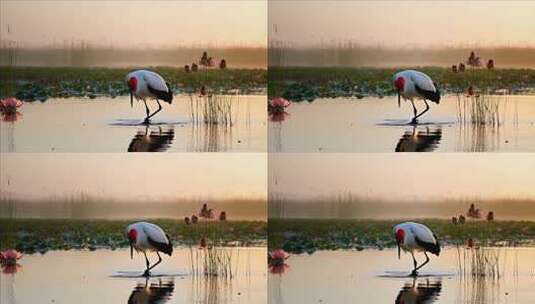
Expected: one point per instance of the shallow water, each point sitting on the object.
(110, 125)
(378, 125)
(367, 277)
(91, 277)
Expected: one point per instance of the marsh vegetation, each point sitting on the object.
(42, 235)
(310, 83)
(42, 83)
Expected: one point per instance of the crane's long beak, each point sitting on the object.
(399, 252)
(131, 250)
(399, 100)
(131, 99)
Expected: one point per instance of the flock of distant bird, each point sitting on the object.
(474, 213)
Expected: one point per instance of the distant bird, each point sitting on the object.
(223, 216)
(223, 64)
(490, 216)
(204, 59)
(490, 64)
(473, 60)
(204, 211)
(413, 237)
(145, 84)
(145, 237)
(474, 212)
(411, 85)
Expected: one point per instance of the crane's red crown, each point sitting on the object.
(132, 235)
(400, 236)
(399, 83)
(132, 83)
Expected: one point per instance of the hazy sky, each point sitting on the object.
(125, 23)
(404, 23)
(403, 177)
(134, 176)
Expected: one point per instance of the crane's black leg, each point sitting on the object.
(414, 271)
(147, 121)
(159, 109)
(426, 109)
(413, 121)
(159, 261)
(426, 261)
(147, 271)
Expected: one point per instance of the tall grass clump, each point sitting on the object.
(480, 262)
(212, 261)
(481, 110)
(212, 258)
(213, 109)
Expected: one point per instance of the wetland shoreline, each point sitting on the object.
(42, 235)
(309, 83)
(42, 83)
(310, 235)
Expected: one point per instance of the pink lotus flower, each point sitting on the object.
(279, 102)
(279, 254)
(277, 257)
(10, 257)
(10, 105)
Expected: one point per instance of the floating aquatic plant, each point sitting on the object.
(10, 105)
(10, 257)
(277, 257)
(278, 105)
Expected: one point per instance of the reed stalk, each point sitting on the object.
(213, 109)
(481, 262)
